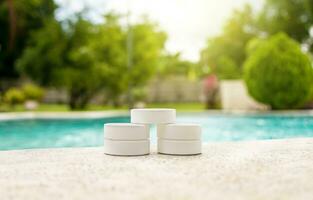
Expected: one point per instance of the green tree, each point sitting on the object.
(148, 45)
(277, 73)
(84, 58)
(109, 49)
(82, 75)
(45, 54)
(227, 68)
(229, 47)
(292, 17)
(173, 64)
(62, 58)
(18, 19)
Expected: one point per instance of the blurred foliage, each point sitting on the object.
(295, 18)
(14, 96)
(225, 53)
(32, 92)
(139, 94)
(42, 57)
(82, 75)
(109, 50)
(227, 68)
(148, 44)
(173, 64)
(18, 19)
(85, 58)
(277, 73)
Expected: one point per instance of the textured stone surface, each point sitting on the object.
(276, 169)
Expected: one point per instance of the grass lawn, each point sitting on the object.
(64, 107)
(179, 106)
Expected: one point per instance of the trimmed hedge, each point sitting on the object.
(278, 73)
(32, 92)
(14, 96)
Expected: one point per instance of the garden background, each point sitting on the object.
(76, 63)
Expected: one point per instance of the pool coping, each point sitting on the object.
(61, 115)
(115, 113)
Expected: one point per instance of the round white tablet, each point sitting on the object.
(126, 131)
(179, 131)
(126, 148)
(153, 116)
(177, 147)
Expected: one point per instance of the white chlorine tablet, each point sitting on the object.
(126, 131)
(179, 147)
(153, 116)
(126, 148)
(179, 131)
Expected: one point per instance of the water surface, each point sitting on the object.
(52, 133)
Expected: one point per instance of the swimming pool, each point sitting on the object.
(52, 133)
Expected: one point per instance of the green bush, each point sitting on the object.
(138, 94)
(227, 69)
(14, 96)
(277, 73)
(32, 92)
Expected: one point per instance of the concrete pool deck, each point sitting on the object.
(272, 169)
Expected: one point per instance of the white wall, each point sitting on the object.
(234, 96)
(174, 89)
(233, 93)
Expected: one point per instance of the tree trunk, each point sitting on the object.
(211, 100)
(116, 103)
(12, 22)
(73, 100)
(79, 99)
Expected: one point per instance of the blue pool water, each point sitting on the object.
(47, 133)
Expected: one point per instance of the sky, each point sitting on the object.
(188, 23)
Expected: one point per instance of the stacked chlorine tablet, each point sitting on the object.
(179, 139)
(133, 138)
(175, 139)
(126, 139)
